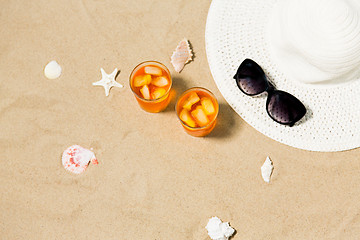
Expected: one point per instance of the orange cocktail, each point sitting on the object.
(197, 109)
(151, 83)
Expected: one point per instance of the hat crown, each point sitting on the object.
(316, 41)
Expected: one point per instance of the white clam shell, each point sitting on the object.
(52, 70)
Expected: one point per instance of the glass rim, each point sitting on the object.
(190, 90)
(156, 99)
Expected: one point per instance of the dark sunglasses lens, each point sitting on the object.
(250, 78)
(284, 108)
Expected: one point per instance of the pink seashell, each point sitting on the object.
(76, 159)
(181, 55)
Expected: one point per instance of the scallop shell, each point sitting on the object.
(76, 159)
(181, 55)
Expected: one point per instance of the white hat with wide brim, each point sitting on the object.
(236, 30)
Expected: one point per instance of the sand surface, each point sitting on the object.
(153, 180)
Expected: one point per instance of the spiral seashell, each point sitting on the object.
(181, 55)
(316, 41)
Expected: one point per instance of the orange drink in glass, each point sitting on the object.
(197, 110)
(151, 82)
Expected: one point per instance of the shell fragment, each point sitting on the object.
(266, 170)
(218, 230)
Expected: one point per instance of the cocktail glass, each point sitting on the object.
(151, 82)
(197, 110)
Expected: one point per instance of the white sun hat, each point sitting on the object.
(308, 48)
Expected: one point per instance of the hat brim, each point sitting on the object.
(236, 30)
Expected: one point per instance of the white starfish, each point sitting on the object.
(108, 81)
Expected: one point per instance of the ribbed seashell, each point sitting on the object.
(181, 55)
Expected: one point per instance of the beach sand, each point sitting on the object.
(153, 180)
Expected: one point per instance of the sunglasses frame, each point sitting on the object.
(270, 90)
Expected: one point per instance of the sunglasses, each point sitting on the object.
(281, 106)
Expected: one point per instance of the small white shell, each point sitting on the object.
(52, 70)
(181, 55)
(266, 170)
